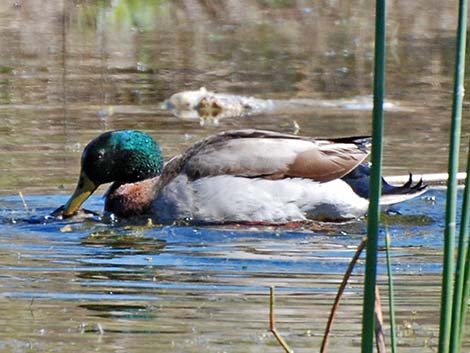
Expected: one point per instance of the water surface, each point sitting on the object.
(70, 70)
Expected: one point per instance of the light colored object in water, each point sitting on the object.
(430, 179)
(208, 105)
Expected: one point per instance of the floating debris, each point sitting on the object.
(210, 106)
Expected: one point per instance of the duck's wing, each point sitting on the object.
(257, 153)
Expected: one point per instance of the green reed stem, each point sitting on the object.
(456, 325)
(391, 301)
(463, 280)
(451, 203)
(373, 218)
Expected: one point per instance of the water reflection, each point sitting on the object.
(189, 289)
(94, 66)
(70, 69)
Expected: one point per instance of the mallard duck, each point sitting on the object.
(238, 176)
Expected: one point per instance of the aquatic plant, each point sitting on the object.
(391, 301)
(456, 273)
(450, 325)
(462, 271)
(373, 218)
(341, 289)
(464, 225)
(453, 297)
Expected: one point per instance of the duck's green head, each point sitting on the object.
(123, 156)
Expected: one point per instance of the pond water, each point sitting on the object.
(81, 286)
(72, 69)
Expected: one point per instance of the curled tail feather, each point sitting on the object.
(358, 180)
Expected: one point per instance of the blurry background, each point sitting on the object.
(72, 69)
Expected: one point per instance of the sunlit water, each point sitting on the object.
(73, 286)
(70, 70)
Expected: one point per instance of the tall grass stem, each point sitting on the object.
(451, 203)
(463, 280)
(459, 276)
(391, 301)
(368, 313)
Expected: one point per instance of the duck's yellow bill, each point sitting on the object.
(85, 187)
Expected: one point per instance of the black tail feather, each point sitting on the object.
(358, 180)
(406, 188)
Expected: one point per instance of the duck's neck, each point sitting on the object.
(131, 199)
(135, 199)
